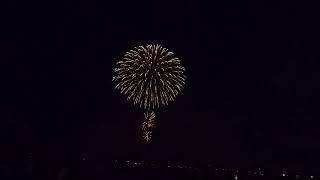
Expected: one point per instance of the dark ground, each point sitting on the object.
(160, 171)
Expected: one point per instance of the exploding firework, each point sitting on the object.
(148, 125)
(150, 76)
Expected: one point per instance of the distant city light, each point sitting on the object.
(231, 172)
(236, 177)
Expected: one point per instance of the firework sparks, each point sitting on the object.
(148, 125)
(150, 76)
(147, 135)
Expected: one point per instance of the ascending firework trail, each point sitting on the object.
(150, 76)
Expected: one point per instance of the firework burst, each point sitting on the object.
(148, 125)
(150, 76)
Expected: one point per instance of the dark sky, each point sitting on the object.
(252, 93)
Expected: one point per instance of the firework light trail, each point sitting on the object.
(150, 76)
(148, 125)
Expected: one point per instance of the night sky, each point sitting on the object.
(252, 93)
